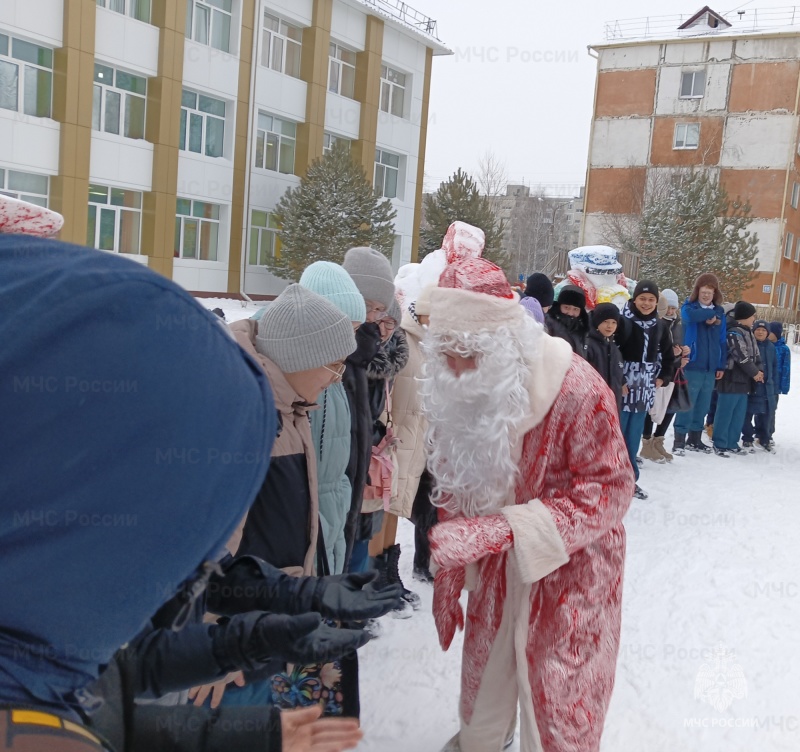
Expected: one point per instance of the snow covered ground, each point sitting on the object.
(713, 562)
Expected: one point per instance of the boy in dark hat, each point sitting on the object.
(761, 400)
(602, 352)
(648, 362)
(743, 372)
(783, 365)
(568, 319)
(540, 287)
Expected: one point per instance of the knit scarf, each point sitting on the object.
(640, 376)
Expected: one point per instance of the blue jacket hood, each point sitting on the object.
(136, 435)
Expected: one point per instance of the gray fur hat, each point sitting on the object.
(301, 330)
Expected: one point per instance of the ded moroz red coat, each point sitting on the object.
(543, 616)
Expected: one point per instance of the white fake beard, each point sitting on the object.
(473, 419)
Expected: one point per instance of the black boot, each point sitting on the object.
(392, 562)
(381, 563)
(695, 443)
(679, 444)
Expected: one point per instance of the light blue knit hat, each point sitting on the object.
(332, 282)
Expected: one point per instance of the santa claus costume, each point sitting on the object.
(533, 481)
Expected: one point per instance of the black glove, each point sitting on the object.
(251, 639)
(355, 597)
(368, 340)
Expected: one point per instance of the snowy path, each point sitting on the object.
(713, 559)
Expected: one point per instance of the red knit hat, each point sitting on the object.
(477, 275)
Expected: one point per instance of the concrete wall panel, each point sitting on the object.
(764, 86)
(620, 143)
(628, 92)
(715, 98)
(641, 56)
(762, 141)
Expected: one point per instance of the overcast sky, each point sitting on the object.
(521, 82)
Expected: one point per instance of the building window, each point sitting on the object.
(787, 247)
(265, 242)
(795, 195)
(687, 136)
(791, 296)
(202, 124)
(387, 173)
(138, 9)
(119, 102)
(393, 91)
(209, 22)
(693, 84)
(275, 144)
(281, 45)
(329, 140)
(196, 230)
(115, 219)
(34, 65)
(342, 71)
(25, 186)
(781, 294)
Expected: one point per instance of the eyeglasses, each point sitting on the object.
(338, 373)
(387, 323)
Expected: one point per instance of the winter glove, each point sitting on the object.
(248, 640)
(464, 540)
(368, 340)
(355, 597)
(251, 584)
(447, 612)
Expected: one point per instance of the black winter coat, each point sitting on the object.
(630, 340)
(744, 360)
(603, 353)
(356, 385)
(571, 330)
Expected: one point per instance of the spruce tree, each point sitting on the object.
(692, 228)
(332, 210)
(459, 199)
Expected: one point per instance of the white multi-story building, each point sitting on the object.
(168, 131)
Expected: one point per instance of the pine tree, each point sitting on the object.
(693, 227)
(459, 199)
(332, 210)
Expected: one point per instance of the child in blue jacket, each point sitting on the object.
(783, 358)
(761, 400)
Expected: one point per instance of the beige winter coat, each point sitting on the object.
(409, 423)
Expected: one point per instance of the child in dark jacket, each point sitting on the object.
(648, 362)
(568, 318)
(783, 363)
(761, 401)
(742, 373)
(602, 352)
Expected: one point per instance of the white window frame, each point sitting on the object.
(382, 167)
(393, 93)
(792, 292)
(270, 131)
(196, 108)
(696, 91)
(104, 93)
(681, 137)
(264, 237)
(215, 13)
(337, 67)
(795, 195)
(788, 245)
(329, 139)
(11, 187)
(137, 9)
(797, 249)
(118, 212)
(276, 44)
(201, 216)
(781, 294)
(16, 53)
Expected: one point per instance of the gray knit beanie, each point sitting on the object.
(372, 273)
(394, 312)
(301, 330)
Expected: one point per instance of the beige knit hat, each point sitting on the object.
(301, 330)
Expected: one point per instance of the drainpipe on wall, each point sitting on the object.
(248, 170)
(779, 251)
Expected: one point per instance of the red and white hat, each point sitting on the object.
(473, 295)
(23, 218)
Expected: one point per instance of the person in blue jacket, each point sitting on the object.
(783, 358)
(704, 333)
(136, 435)
(761, 400)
